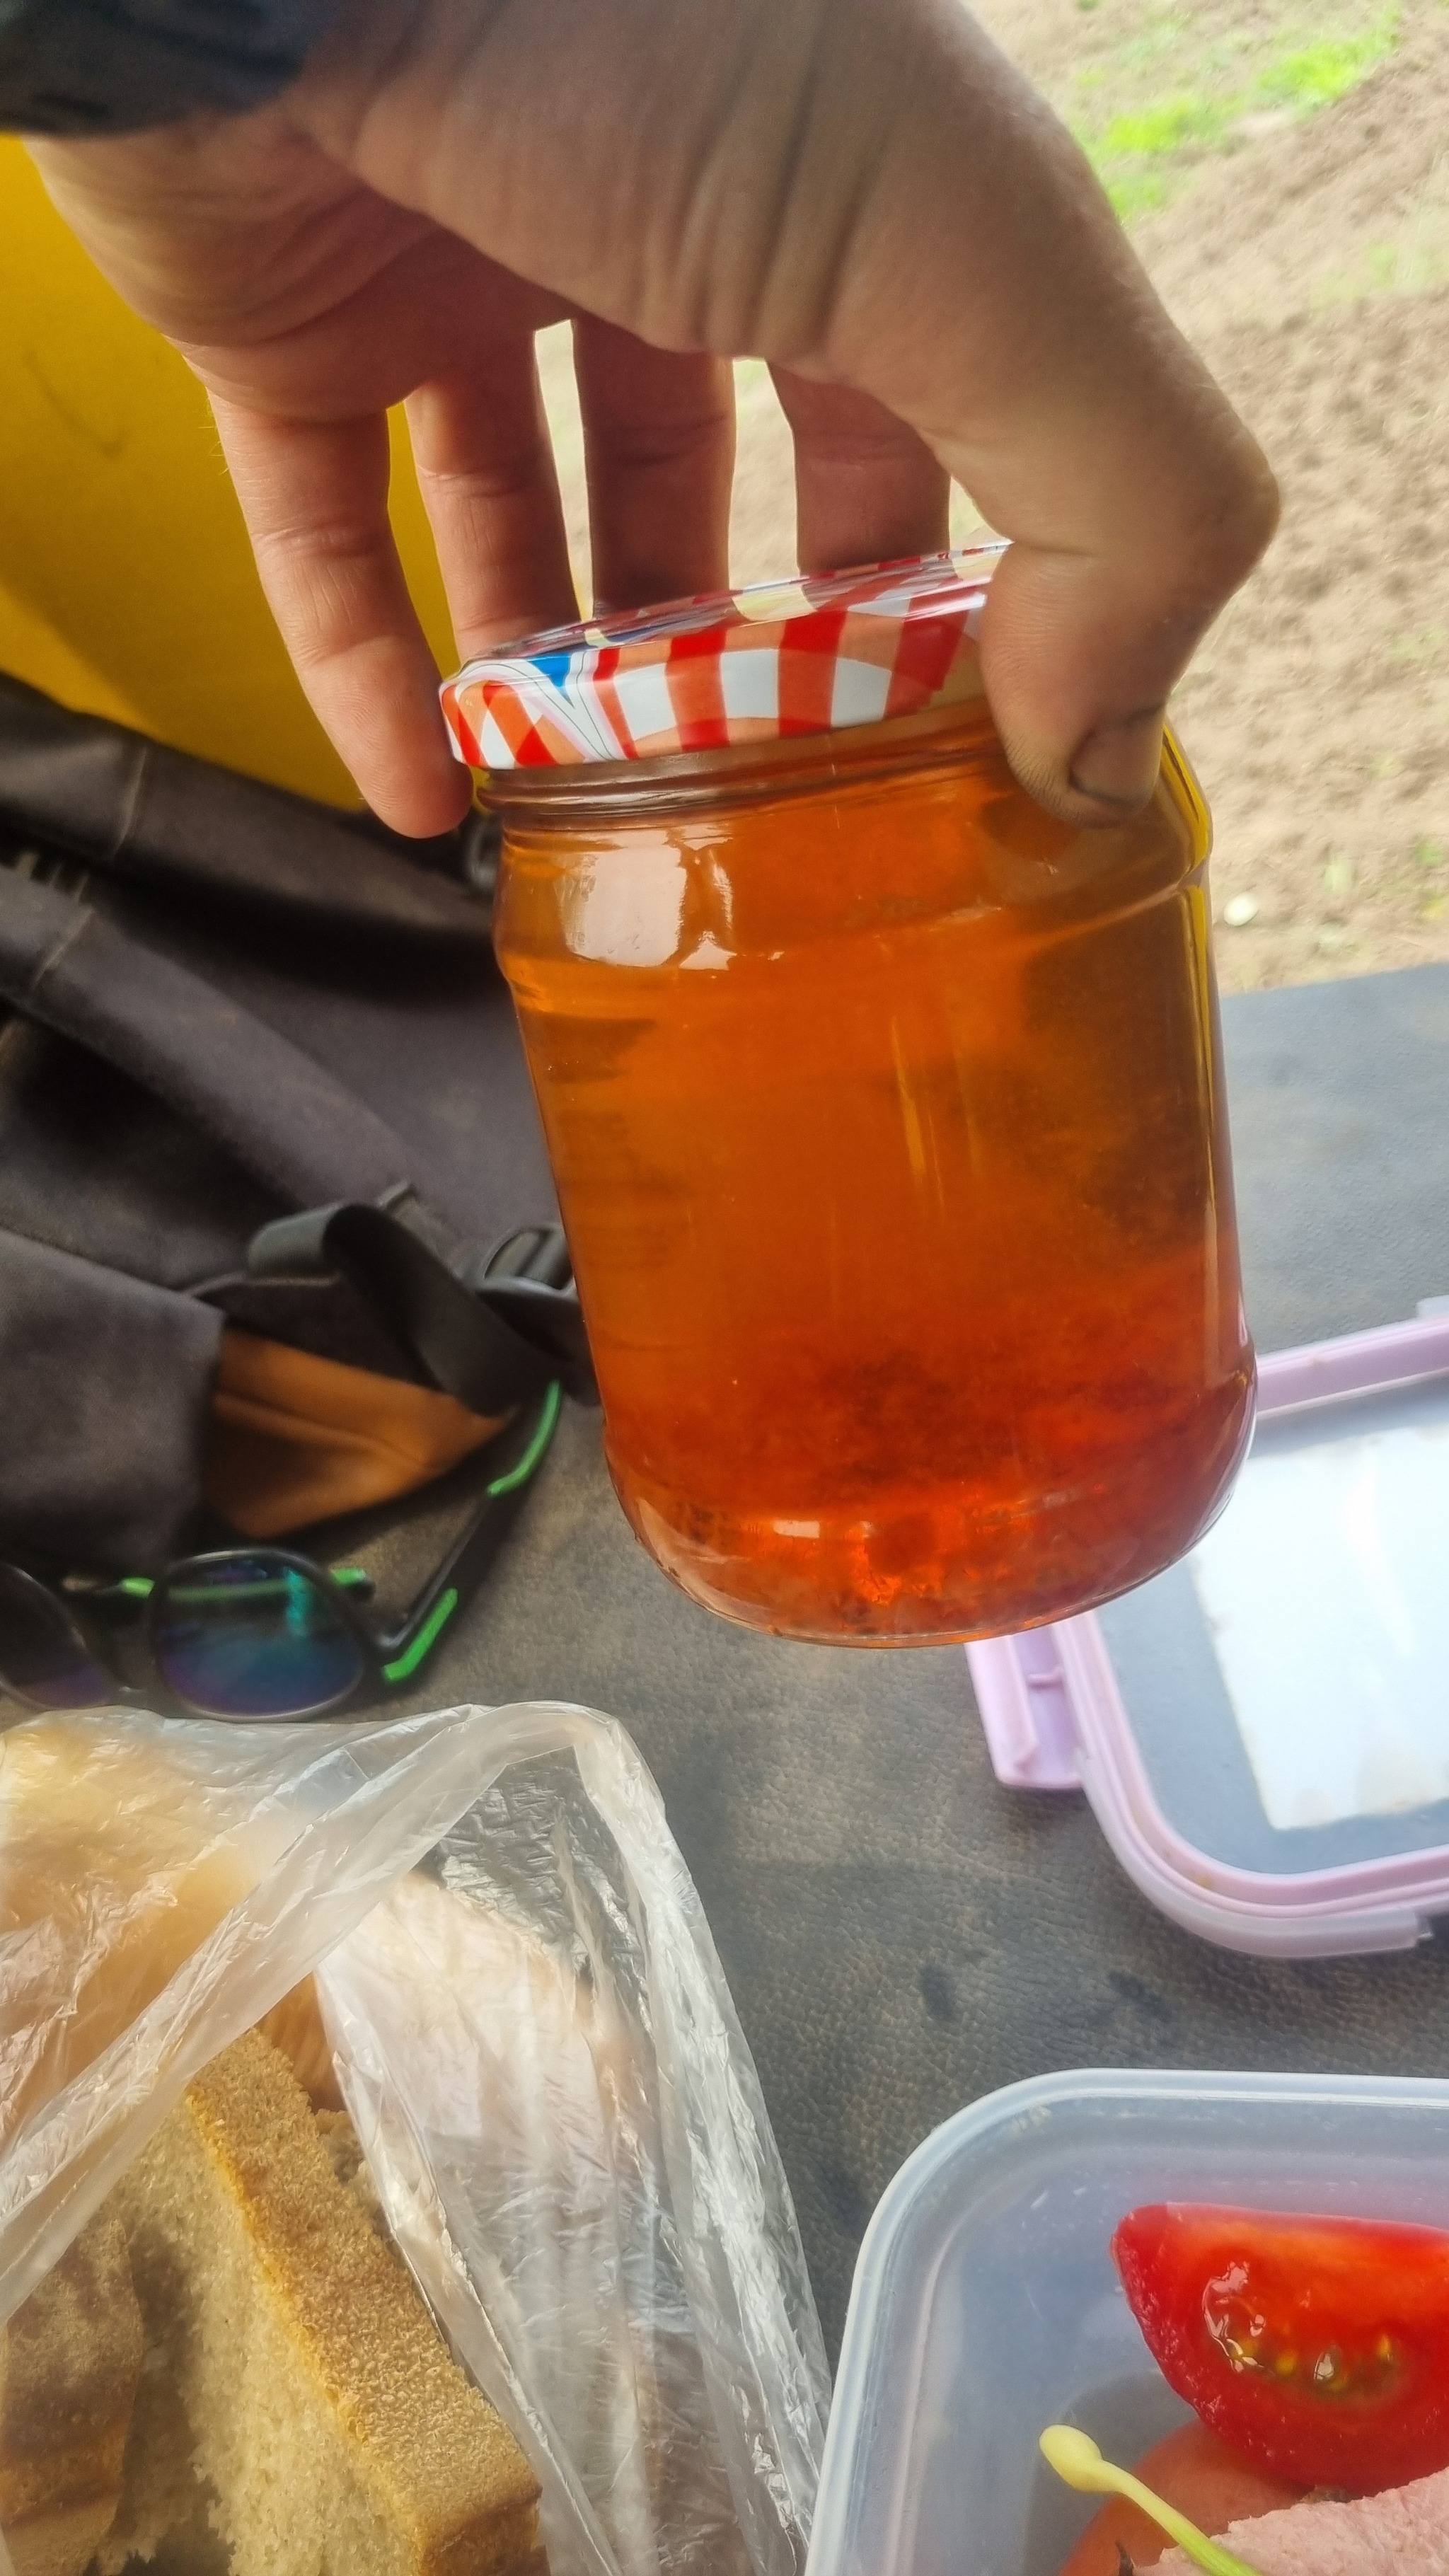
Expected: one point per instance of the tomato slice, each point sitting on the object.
(1319, 2347)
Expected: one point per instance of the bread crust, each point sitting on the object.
(69, 2363)
(324, 2409)
(295, 2026)
(63, 2543)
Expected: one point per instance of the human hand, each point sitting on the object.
(862, 192)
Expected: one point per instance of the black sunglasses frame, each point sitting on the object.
(391, 1658)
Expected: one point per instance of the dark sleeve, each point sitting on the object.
(79, 67)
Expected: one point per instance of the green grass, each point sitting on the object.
(1143, 146)
(1413, 265)
(1321, 73)
(1151, 133)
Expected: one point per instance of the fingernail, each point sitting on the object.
(1118, 764)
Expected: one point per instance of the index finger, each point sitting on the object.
(314, 497)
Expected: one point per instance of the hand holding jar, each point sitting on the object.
(864, 193)
(884, 1102)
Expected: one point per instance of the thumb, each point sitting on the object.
(1080, 650)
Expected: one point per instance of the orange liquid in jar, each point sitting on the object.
(886, 1119)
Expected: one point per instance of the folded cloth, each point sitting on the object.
(76, 67)
(296, 1438)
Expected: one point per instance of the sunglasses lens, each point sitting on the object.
(43, 1657)
(251, 1636)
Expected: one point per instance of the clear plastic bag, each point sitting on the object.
(532, 2035)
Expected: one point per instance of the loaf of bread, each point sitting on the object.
(295, 2027)
(294, 2377)
(69, 2363)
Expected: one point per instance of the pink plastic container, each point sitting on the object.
(1263, 1733)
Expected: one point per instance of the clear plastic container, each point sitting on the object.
(986, 2305)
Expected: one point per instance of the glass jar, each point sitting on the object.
(887, 1123)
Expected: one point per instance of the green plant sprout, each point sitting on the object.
(1149, 133)
(1077, 2460)
(1139, 151)
(1320, 73)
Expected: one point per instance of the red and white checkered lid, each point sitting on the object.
(738, 666)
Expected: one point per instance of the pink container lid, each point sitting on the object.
(1055, 1717)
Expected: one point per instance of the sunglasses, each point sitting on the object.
(252, 1632)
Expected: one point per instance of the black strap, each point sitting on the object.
(494, 1337)
(140, 810)
(491, 1334)
(275, 1110)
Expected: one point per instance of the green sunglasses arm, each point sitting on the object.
(463, 1569)
(139, 1587)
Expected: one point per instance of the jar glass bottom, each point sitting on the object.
(944, 1562)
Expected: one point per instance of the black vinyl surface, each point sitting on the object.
(900, 1933)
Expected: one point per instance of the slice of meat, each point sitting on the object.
(1197, 2472)
(1402, 2533)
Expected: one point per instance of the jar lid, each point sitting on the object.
(741, 666)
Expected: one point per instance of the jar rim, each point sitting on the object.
(743, 773)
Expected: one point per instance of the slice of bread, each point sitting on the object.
(69, 2362)
(295, 2027)
(320, 2406)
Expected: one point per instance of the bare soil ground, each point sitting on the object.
(1287, 184)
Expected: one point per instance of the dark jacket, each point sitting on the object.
(81, 67)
